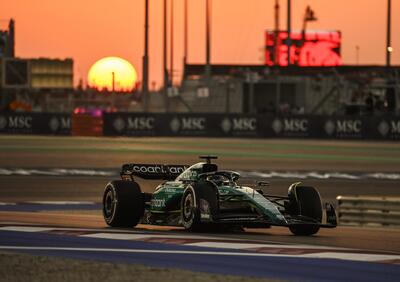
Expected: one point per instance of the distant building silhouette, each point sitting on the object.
(7, 41)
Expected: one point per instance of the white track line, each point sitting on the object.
(7, 204)
(234, 246)
(77, 229)
(120, 236)
(59, 203)
(25, 228)
(221, 244)
(327, 255)
(140, 235)
(352, 256)
(249, 246)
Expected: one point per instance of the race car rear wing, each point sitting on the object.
(152, 171)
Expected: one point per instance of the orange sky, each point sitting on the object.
(88, 30)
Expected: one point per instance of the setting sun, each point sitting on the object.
(112, 73)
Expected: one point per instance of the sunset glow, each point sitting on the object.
(238, 30)
(101, 74)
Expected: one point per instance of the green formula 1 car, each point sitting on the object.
(201, 195)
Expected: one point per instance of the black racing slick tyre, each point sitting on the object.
(305, 201)
(199, 200)
(123, 203)
(190, 209)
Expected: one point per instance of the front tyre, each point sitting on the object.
(190, 209)
(199, 205)
(123, 203)
(305, 201)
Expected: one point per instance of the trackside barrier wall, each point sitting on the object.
(86, 125)
(260, 126)
(211, 125)
(35, 123)
(368, 210)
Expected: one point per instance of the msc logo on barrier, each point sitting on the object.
(3, 122)
(16, 122)
(239, 124)
(62, 123)
(188, 124)
(384, 128)
(348, 127)
(290, 126)
(132, 124)
(119, 124)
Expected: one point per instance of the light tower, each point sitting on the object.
(208, 43)
(389, 47)
(289, 29)
(145, 83)
(276, 49)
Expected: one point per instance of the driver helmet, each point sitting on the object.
(217, 179)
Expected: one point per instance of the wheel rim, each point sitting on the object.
(109, 204)
(188, 206)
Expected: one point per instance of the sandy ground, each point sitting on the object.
(23, 267)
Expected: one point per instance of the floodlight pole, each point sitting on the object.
(171, 34)
(145, 83)
(388, 31)
(208, 43)
(165, 50)
(165, 70)
(185, 32)
(289, 29)
(276, 33)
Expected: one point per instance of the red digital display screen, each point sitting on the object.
(312, 48)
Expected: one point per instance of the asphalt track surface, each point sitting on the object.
(294, 155)
(211, 260)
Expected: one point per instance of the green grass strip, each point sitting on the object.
(242, 154)
(296, 145)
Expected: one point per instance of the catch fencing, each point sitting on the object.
(368, 210)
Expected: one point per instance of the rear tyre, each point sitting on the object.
(123, 203)
(305, 201)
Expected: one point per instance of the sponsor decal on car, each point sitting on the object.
(169, 190)
(159, 169)
(204, 209)
(158, 203)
